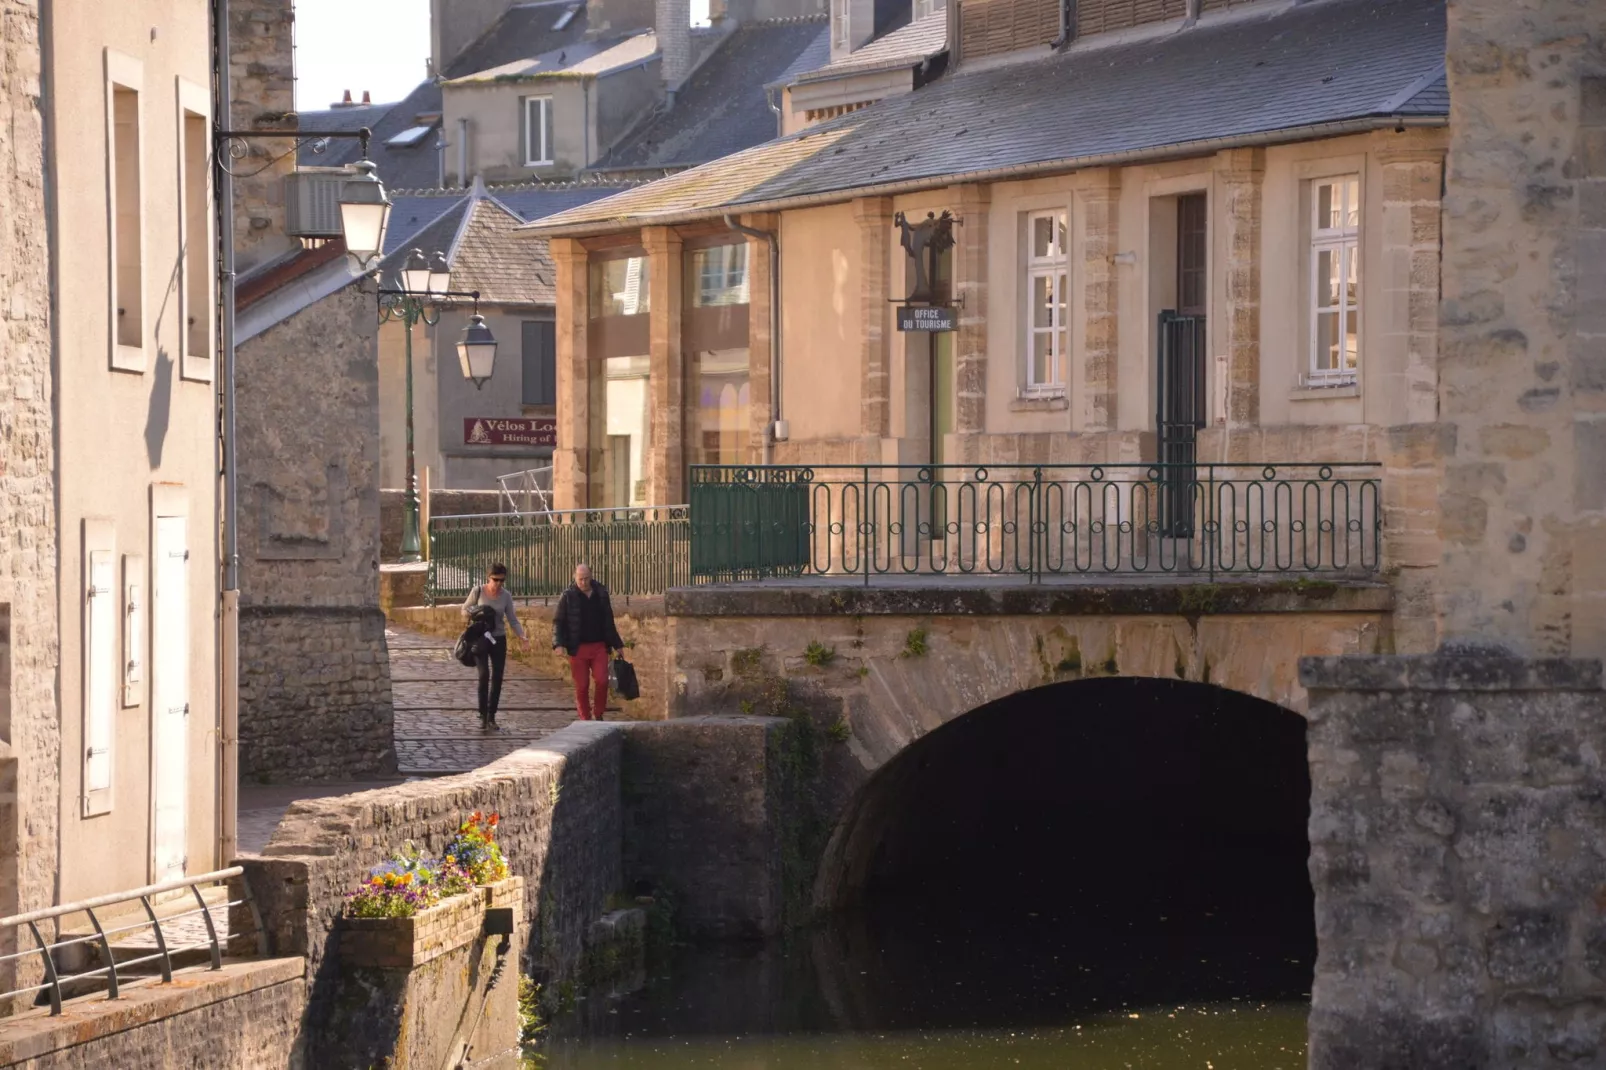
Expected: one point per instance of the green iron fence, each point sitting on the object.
(634, 551)
(1034, 521)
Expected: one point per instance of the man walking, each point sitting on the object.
(583, 628)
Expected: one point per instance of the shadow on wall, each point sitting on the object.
(160, 413)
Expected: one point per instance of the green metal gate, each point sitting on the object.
(748, 523)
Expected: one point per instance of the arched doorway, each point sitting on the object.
(1102, 847)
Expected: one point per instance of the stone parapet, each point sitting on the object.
(1457, 846)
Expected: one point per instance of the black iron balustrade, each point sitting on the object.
(1034, 521)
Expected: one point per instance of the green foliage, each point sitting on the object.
(818, 654)
(864, 670)
(531, 1024)
(747, 662)
(914, 644)
(840, 732)
(746, 705)
(407, 883)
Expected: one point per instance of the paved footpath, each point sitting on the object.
(437, 721)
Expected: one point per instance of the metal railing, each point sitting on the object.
(114, 971)
(1034, 521)
(642, 551)
(529, 491)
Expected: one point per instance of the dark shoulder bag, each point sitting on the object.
(624, 678)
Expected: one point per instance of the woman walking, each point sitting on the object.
(490, 653)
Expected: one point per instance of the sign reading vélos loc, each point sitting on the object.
(499, 431)
(926, 318)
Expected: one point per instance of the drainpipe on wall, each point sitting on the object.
(228, 756)
(776, 430)
(1067, 25)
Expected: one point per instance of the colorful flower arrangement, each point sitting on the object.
(412, 881)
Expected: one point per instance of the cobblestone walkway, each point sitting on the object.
(437, 720)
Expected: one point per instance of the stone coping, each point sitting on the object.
(1453, 672)
(35, 1033)
(1138, 596)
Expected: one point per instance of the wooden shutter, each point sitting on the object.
(101, 657)
(1100, 16)
(992, 27)
(539, 355)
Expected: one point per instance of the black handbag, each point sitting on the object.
(624, 678)
(464, 650)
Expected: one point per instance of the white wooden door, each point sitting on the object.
(170, 695)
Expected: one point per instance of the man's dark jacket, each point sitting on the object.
(567, 621)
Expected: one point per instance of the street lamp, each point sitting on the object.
(364, 213)
(423, 296)
(476, 352)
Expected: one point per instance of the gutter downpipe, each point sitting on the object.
(228, 759)
(775, 327)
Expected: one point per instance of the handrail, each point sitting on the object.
(54, 979)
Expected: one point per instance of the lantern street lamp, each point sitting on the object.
(364, 213)
(424, 294)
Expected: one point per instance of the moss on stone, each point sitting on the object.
(818, 654)
(914, 644)
(747, 662)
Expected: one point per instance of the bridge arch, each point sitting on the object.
(1093, 791)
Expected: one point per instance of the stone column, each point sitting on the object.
(1100, 209)
(874, 216)
(760, 272)
(666, 464)
(1412, 180)
(576, 460)
(1240, 175)
(1456, 833)
(1522, 342)
(971, 205)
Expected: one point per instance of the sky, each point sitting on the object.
(377, 45)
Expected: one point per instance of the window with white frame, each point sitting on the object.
(1335, 281)
(927, 8)
(1047, 302)
(537, 131)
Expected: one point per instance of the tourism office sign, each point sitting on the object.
(501, 431)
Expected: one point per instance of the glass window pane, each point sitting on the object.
(1042, 357)
(1064, 308)
(722, 397)
(1352, 340)
(1325, 214)
(1063, 241)
(620, 287)
(625, 419)
(1352, 202)
(1327, 341)
(1326, 278)
(1042, 301)
(1042, 236)
(720, 276)
(1352, 295)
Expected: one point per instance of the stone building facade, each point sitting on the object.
(315, 701)
(262, 77)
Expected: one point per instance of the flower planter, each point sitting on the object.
(407, 943)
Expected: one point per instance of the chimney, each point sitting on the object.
(674, 41)
(345, 101)
(366, 99)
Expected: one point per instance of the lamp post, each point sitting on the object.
(425, 292)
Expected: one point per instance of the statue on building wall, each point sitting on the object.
(924, 242)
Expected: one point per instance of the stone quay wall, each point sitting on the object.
(317, 684)
(315, 697)
(1458, 854)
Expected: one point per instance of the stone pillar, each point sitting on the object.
(874, 216)
(971, 205)
(576, 460)
(1100, 209)
(1456, 855)
(1240, 175)
(262, 84)
(1412, 180)
(666, 465)
(760, 273)
(1522, 343)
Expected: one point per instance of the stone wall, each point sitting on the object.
(315, 675)
(262, 84)
(642, 625)
(246, 1015)
(29, 736)
(393, 513)
(1523, 328)
(1458, 842)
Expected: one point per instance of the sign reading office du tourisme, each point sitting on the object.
(501, 431)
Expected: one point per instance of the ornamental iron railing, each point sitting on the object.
(642, 551)
(1034, 521)
(152, 931)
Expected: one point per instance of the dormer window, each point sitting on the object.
(927, 8)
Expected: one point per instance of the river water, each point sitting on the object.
(919, 985)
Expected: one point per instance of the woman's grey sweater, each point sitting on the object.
(502, 602)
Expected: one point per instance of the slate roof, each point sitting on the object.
(505, 268)
(440, 235)
(523, 31)
(1301, 69)
(578, 60)
(723, 107)
(400, 167)
(815, 56)
(411, 213)
(903, 47)
(531, 202)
